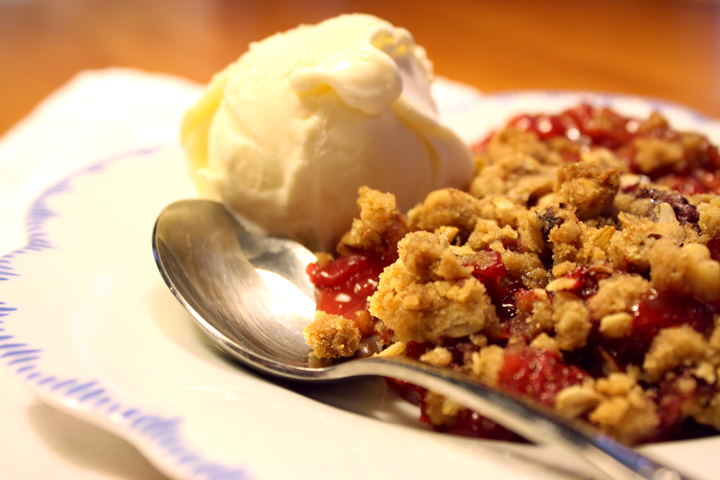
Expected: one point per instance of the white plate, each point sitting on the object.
(88, 325)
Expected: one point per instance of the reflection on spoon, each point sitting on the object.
(252, 297)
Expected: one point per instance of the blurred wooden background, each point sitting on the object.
(668, 49)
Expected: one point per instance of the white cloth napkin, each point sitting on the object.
(96, 115)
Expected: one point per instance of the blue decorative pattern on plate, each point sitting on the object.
(87, 323)
(91, 395)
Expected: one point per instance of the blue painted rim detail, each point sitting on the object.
(22, 359)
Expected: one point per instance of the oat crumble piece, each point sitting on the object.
(572, 321)
(446, 207)
(429, 292)
(629, 248)
(380, 223)
(590, 187)
(625, 410)
(674, 347)
(617, 294)
(709, 220)
(486, 364)
(332, 336)
(685, 269)
(577, 400)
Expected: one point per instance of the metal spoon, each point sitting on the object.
(251, 295)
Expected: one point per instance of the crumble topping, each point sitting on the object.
(429, 292)
(379, 227)
(625, 411)
(332, 336)
(580, 270)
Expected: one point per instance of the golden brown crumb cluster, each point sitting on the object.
(584, 265)
(332, 336)
(430, 291)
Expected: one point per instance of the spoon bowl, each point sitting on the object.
(251, 296)
(199, 248)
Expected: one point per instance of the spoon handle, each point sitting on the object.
(612, 460)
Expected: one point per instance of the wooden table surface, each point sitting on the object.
(668, 49)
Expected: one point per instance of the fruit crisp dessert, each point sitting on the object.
(580, 271)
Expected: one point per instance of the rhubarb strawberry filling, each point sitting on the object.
(579, 271)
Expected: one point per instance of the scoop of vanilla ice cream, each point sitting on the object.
(286, 135)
